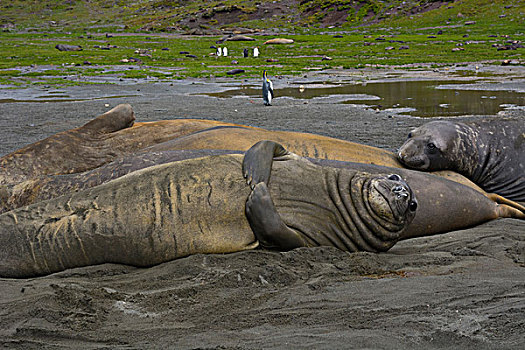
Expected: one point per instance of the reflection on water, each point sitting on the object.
(420, 98)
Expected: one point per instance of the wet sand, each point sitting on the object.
(464, 289)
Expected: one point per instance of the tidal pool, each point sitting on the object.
(417, 98)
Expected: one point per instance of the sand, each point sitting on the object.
(464, 289)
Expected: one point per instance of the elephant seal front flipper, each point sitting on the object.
(266, 223)
(257, 163)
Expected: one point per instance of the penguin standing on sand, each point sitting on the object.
(267, 90)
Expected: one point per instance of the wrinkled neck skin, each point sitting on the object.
(339, 214)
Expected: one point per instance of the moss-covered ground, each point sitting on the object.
(465, 31)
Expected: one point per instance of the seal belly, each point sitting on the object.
(144, 218)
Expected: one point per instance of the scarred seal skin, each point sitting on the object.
(490, 152)
(172, 210)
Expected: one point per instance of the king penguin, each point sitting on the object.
(267, 90)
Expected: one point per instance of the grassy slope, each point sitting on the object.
(32, 48)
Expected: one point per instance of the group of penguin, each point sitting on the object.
(224, 52)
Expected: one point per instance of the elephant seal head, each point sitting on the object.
(432, 146)
(384, 206)
(391, 199)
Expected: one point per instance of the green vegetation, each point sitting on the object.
(155, 56)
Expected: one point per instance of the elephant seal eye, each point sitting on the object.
(394, 177)
(431, 146)
(412, 206)
(409, 135)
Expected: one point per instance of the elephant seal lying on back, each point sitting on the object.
(193, 206)
(443, 205)
(491, 153)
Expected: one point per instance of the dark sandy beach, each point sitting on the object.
(464, 289)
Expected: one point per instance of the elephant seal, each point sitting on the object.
(89, 147)
(51, 186)
(442, 205)
(100, 141)
(278, 41)
(490, 152)
(193, 206)
(209, 141)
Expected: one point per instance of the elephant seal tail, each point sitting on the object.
(505, 211)
(508, 208)
(118, 118)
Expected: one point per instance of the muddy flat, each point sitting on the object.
(464, 289)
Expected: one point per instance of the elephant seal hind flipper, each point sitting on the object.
(118, 118)
(490, 152)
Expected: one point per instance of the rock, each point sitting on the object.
(65, 47)
(235, 71)
(469, 23)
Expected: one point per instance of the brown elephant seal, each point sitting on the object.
(278, 41)
(442, 205)
(192, 206)
(491, 152)
(109, 136)
(51, 186)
